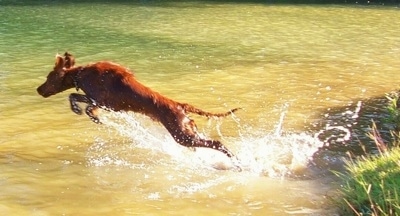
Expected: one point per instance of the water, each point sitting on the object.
(309, 80)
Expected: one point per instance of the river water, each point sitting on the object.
(309, 79)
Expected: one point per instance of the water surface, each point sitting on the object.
(309, 80)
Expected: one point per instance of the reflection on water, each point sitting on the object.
(309, 80)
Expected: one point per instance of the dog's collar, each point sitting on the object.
(75, 80)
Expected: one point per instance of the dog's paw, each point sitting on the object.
(76, 109)
(95, 119)
(91, 112)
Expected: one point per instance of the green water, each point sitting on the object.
(295, 70)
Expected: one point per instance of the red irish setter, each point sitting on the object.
(111, 86)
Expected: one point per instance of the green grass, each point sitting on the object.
(393, 110)
(371, 185)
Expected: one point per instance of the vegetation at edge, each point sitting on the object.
(372, 184)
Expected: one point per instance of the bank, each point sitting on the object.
(371, 184)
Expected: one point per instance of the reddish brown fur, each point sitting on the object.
(114, 87)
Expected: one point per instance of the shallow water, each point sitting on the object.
(309, 80)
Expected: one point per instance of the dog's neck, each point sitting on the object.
(74, 76)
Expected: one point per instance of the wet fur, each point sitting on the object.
(109, 85)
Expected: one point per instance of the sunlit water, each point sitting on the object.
(309, 80)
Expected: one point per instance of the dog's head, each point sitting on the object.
(55, 79)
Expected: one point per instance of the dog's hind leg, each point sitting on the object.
(185, 133)
(214, 144)
(74, 98)
(217, 145)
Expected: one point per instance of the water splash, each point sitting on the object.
(278, 155)
(332, 132)
(279, 126)
(273, 154)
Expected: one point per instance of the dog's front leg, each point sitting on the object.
(74, 98)
(89, 111)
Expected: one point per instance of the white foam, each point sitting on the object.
(271, 154)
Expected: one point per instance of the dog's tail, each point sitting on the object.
(192, 109)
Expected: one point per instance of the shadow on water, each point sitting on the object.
(344, 131)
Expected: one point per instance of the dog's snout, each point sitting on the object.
(40, 90)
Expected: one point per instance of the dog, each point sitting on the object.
(113, 87)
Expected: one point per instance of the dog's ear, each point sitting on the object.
(69, 60)
(59, 63)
